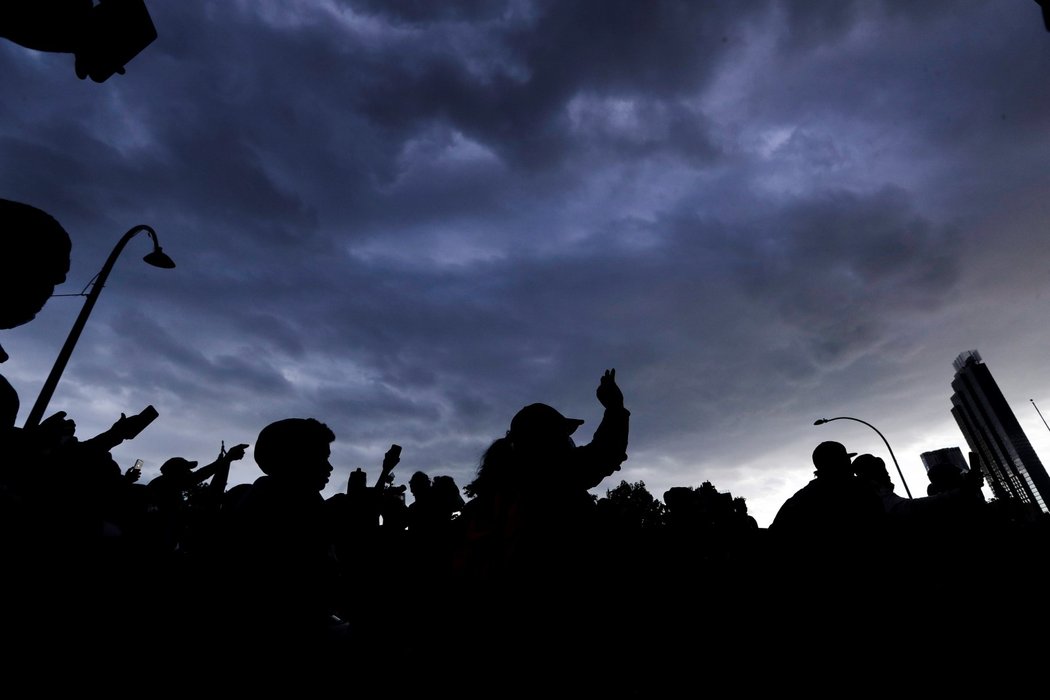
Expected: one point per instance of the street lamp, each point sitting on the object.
(157, 257)
(822, 421)
(1037, 408)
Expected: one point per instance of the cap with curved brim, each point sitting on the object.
(176, 465)
(539, 418)
(830, 451)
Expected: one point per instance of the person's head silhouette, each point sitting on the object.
(357, 481)
(296, 450)
(944, 477)
(832, 460)
(34, 258)
(177, 466)
(872, 470)
(419, 484)
(540, 431)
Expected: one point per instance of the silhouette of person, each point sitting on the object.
(872, 471)
(102, 36)
(66, 505)
(948, 511)
(74, 514)
(527, 531)
(169, 492)
(834, 505)
(34, 258)
(532, 485)
(944, 477)
(828, 552)
(280, 561)
(830, 525)
(358, 515)
(365, 527)
(419, 509)
(432, 532)
(448, 502)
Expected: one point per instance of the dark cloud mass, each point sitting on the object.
(408, 219)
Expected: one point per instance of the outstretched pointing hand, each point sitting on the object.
(609, 395)
(236, 452)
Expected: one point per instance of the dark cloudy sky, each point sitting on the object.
(408, 219)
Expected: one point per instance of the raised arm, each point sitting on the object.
(220, 468)
(390, 460)
(607, 450)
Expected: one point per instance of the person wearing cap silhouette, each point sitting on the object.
(835, 505)
(527, 541)
(167, 493)
(179, 475)
(538, 453)
(949, 510)
(827, 554)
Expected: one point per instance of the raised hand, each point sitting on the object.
(57, 427)
(236, 453)
(391, 458)
(608, 393)
(128, 427)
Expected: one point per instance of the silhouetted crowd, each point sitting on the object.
(522, 582)
(527, 581)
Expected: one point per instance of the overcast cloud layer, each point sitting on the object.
(409, 219)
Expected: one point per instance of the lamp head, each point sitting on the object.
(158, 258)
(820, 421)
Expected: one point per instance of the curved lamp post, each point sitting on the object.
(156, 257)
(822, 421)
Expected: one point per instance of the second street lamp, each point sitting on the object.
(822, 421)
(156, 257)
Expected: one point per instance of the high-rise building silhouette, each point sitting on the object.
(1010, 466)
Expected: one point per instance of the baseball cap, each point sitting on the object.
(539, 419)
(828, 452)
(177, 465)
